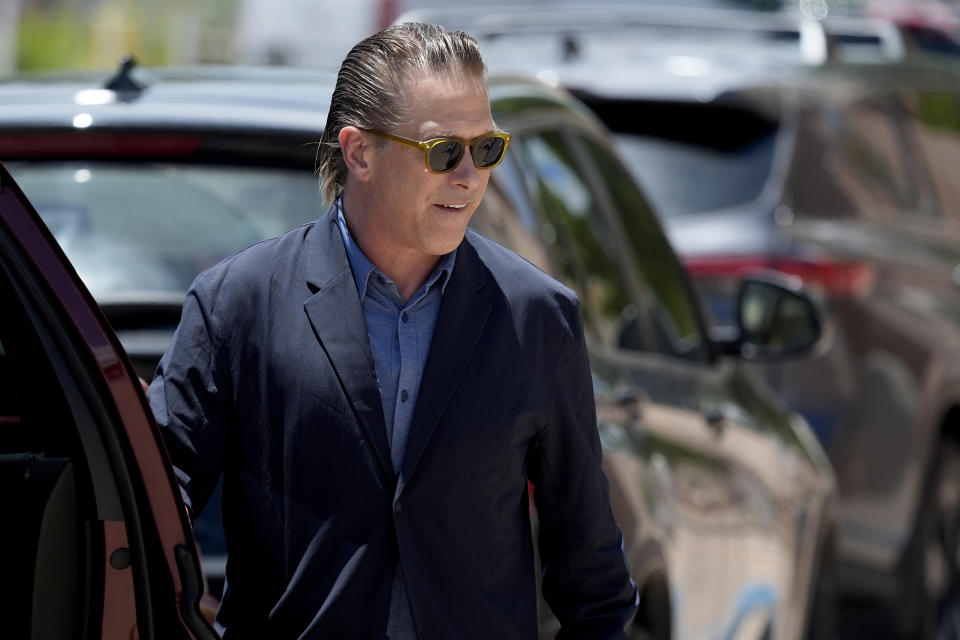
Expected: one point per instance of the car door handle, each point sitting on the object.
(628, 396)
(630, 399)
(716, 419)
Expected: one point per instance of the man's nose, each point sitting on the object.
(466, 173)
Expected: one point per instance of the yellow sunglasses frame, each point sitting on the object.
(427, 145)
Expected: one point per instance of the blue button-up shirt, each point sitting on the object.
(400, 334)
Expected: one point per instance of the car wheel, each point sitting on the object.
(935, 561)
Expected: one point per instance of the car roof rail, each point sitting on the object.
(879, 34)
(819, 40)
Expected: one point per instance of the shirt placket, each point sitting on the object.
(406, 380)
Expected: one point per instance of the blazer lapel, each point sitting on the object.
(337, 319)
(460, 322)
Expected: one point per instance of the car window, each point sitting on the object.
(43, 480)
(507, 216)
(693, 158)
(622, 301)
(170, 223)
(584, 247)
(876, 161)
(685, 178)
(666, 293)
(936, 115)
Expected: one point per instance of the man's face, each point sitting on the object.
(417, 211)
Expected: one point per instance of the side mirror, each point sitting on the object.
(776, 320)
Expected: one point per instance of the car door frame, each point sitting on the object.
(151, 576)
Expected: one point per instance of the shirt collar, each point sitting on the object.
(363, 269)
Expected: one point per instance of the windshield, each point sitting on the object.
(144, 231)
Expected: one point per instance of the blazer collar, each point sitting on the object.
(337, 319)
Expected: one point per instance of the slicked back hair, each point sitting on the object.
(369, 89)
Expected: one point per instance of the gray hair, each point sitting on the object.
(368, 93)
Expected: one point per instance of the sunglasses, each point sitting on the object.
(443, 155)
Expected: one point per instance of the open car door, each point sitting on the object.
(95, 540)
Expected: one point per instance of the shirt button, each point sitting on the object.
(404, 395)
(404, 317)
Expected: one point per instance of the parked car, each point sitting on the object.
(95, 536)
(723, 496)
(826, 150)
(933, 26)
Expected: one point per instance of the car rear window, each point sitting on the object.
(693, 158)
(139, 230)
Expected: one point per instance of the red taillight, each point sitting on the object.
(101, 144)
(724, 266)
(835, 277)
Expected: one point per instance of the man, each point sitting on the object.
(376, 388)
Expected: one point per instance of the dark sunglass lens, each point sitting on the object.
(445, 155)
(487, 151)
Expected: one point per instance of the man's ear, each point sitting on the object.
(356, 150)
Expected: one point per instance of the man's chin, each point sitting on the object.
(448, 242)
(442, 250)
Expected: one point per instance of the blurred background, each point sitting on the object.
(38, 35)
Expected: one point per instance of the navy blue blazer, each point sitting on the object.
(269, 380)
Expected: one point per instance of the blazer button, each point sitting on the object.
(398, 507)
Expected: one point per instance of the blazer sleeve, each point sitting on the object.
(586, 580)
(189, 397)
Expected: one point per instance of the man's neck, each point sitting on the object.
(408, 269)
(408, 275)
